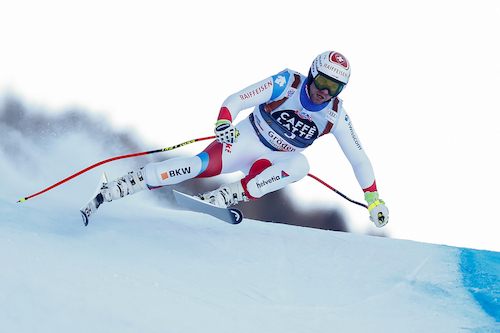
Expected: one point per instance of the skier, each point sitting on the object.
(291, 112)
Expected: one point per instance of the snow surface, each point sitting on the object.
(142, 267)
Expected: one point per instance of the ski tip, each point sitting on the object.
(238, 215)
(22, 200)
(85, 218)
(229, 215)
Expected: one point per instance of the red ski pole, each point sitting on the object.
(338, 192)
(114, 159)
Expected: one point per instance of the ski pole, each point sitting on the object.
(163, 150)
(338, 192)
(114, 159)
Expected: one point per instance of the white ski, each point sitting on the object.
(229, 215)
(94, 202)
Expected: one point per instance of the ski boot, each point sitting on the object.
(130, 183)
(226, 195)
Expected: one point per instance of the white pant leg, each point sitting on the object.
(241, 155)
(172, 171)
(285, 168)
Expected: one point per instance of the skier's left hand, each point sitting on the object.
(379, 214)
(226, 132)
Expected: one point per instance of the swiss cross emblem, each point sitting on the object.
(339, 59)
(280, 80)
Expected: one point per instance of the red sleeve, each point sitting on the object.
(225, 114)
(372, 188)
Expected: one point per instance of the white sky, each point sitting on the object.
(422, 95)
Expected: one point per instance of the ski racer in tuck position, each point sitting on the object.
(291, 112)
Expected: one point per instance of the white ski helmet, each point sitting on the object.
(333, 65)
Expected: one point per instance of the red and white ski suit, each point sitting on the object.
(268, 150)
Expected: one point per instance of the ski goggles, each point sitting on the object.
(334, 87)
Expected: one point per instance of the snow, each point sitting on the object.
(142, 266)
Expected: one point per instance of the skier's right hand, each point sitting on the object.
(379, 214)
(225, 132)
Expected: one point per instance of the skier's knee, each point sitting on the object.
(298, 165)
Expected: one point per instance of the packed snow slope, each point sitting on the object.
(144, 266)
(138, 267)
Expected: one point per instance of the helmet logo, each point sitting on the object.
(339, 59)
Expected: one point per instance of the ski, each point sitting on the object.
(91, 206)
(229, 215)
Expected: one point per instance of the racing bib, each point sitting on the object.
(296, 126)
